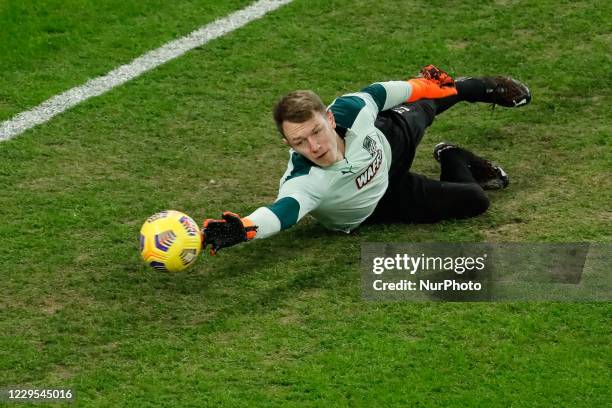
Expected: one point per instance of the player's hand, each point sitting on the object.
(433, 83)
(437, 75)
(228, 231)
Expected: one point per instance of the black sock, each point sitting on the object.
(469, 89)
(454, 165)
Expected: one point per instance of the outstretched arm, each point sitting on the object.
(228, 231)
(231, 229)
(262, 223)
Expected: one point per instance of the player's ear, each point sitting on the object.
(284, 140)
(331, 119)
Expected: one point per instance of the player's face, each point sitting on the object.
(316, 139)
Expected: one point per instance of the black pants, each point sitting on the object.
(413, 198)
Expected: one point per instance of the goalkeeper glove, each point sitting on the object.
(228, 231)
(433, 83)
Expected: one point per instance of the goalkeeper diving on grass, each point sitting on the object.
(349, 162)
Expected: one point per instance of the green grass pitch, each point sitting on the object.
(281, 322)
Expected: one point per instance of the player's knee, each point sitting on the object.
(479, 202)
(473, 201)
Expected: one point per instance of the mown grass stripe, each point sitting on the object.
(97, 86)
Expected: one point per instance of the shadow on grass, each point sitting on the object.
(258, 277)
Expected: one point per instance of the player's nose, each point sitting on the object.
(314, 144)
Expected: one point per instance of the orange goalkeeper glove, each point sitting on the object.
(228, 231)
(432, 84)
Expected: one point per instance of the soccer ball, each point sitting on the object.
(170, 241)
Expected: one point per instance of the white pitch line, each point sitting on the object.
(97, 86)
